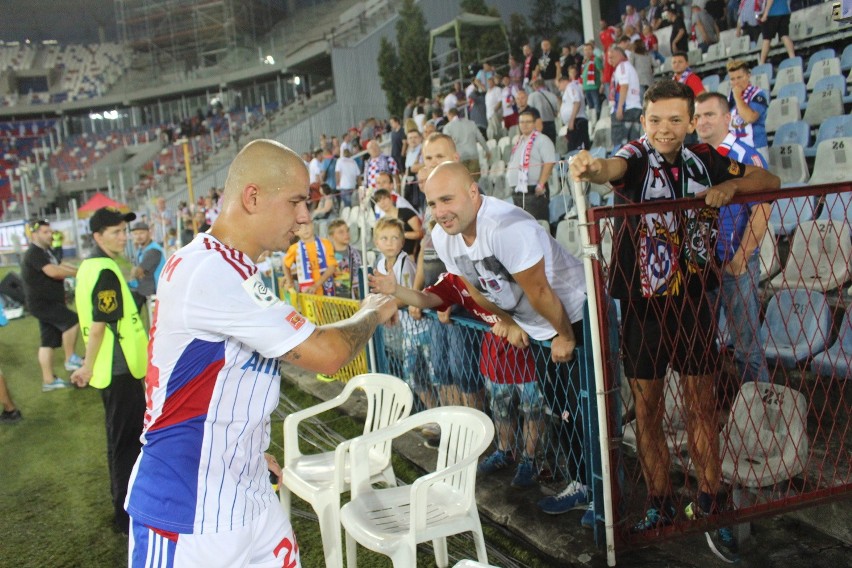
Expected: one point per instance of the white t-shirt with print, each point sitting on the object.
(349, 173)
(509, 240)
(625, 74)
(573, 94)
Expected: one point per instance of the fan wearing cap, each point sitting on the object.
(116, 349)
(150, 260)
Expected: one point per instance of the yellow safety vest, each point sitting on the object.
(131, 333)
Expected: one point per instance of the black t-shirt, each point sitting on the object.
(108, 308)
(683, 43)
(405, 215)
(547, 65)
(644, 183)
(397, 139)
(41, 290)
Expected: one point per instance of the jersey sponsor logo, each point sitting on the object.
(258, 291)
(260, 364)
(295, 319)
(734, 168)
(107, 301)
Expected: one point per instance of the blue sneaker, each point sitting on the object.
(73, 363)
(588, 520)
(524, 474)
(654, 519)
(722, 542)
(55, 385)
(574, 496)
(495, 462)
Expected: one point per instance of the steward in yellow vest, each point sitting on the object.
(116, 349)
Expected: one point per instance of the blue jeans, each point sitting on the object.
(742, 311)
(593, 100)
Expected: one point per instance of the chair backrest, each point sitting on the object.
(796, 89)
(695, 57)
(786, 213)
(724, 87)
(791, 62)
(823, 105)
(787, 76)
(762, 81)
(844, 334)
(833, 160)
(389, 399)
(711, 82)
(766, 438)
(715, 51)
(568, 236)
(820, 255)
(739, 45)
(828, 82)
(834, 127)
(781, 111)
(797, 317)
(770, 264)
(764, 69)
(846, 58)
(818, 57)
(796, 132)
(837, 207)
(787, 161)
(558, 207)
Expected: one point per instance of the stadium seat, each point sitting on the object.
(504, 148)
(836, 361)
(568, 235)
(560, 205)
(724, 87)
(738, 46)
(799, 30)
(770, 264)
(832, 161)
(796, 132)
(846, 58)
(822, 69)
(837, 207)
(823, 105)
(498, 180)
(765, 441)
(798, 90)
(787, 76)
(786, 213)
(833, 127)
(715, 52)
(711, 82)
(761, 80)
(819, 259)
(787, 161)
(797, 326)
(782, 111)
(666, 67)
(765, 69)
(695, 57)
(791, 62)
(817, 57)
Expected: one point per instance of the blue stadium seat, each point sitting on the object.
(836, 361)
(797, 90)
(837, 207)
(711, 82)
(791, 62)
(797, 132)
(786, 214)
(797, 326)
(815, 58)
(833, 127)
(765, 69)
(559, 206)
(846, 58)
(836, 82)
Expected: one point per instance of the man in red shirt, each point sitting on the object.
(607, 36)
(683, 74)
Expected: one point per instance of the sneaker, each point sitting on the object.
(588, 520)
(495, 462)
(654, 519)
(722, 542)
(73, 363)
(524, 473)
(10, 416)
(55, 385)
(574, 496)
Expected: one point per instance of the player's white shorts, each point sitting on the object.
(267, 542)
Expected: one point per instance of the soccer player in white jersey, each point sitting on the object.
(200, 492)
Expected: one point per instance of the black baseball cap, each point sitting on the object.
(108, 217)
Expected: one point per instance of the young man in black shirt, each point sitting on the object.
(44, 279)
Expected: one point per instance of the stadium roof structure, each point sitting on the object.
(449, 61)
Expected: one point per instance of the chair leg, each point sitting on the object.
(351, 552)
(329, 521)
(481, 552)
(440, 546)
(406, 556)
(285, 497)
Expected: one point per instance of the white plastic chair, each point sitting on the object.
(319, 479)
(472, 564)
(820, 257)
(392, 521)
(765, 441)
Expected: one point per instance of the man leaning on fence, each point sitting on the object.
(663, 271)
(503, 254)
(200, 493)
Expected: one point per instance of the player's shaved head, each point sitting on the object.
(264, 163)
(454, 197)
(454, 173)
